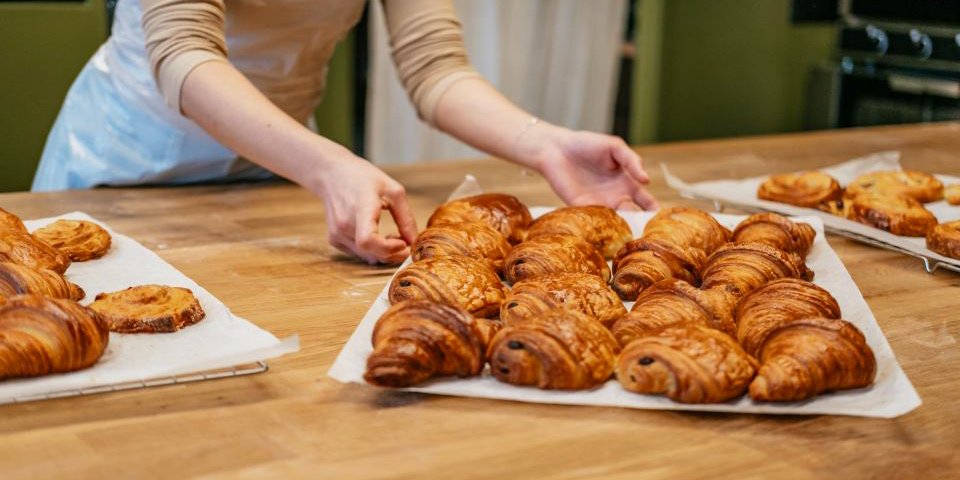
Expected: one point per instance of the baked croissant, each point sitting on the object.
(897, 214)
(462, 282)
(921, 186)
(583, 292)
(777, 303)
(598, 225)
(553, 254)
(805, 189)
(16, 280)
(418, 339)
(11, 223)
(32, 252)
(643, 262)
(687, 228)
(475, 240)
(776, 231)
(504, 213)
(809, 356)
(674, 302)
(741, 268)
(559, 349)
(689, 363)
(42, 335)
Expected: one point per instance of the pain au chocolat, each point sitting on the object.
(583, 292)
(504, 213)
(463, 282)
(598, 225)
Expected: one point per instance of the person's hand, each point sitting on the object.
(587, 168)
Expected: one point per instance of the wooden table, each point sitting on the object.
(261, 249)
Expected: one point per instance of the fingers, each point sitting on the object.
(368, 241)
(630, 161)
(402, 215)
(645, 200)
(628, 205)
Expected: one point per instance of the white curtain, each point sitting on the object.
(557, 59)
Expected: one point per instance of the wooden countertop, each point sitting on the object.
(261, 249)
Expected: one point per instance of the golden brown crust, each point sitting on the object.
(776, 231)
(149, 309)
(11, 223)
(809, 356)
(945, 239)
(41, 335)
(18, 280)
(952, 194)
(805, 189)
(418, 339)
(504, 213)
(921, 186)
(675, 302)
(30, 251)
(741, 268)
(78, 239)
(687, 228)
(777, 303)
(897, 214)
(600, 226)
(840, 207)
(689, 363)
(554, 254)
(459, 281)
(643, 262)
(582, 292)
(559, 349)
(475, 240)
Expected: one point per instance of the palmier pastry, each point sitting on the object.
(687, 228)
(463, 282)
(559, 349)
(418, 339)
(922, 187)
(504, 213)
(149, 309)
(945, 239)
(675, 302)
(805, 189)
(840, 208)
(741, 268)
(897, 214)
(32, 252)
(583, 292)
(776, 231)
(777, 303)
(952, 194)
(643, 262)
(79, 239)
(598, 225)
(475, 240)
(809, 356)
(41, 335)
(689, 363)
(16, 280)
(11, 223)
(554, 254)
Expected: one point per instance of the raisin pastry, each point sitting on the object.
(675, 302)
(17, 280)
(945, 239)
(776, 231)
(475, 240)
(78, 239)
(777, 303)
(30, 251)
(462, 282)
(687, 228)
(643, 262)
(897, 214)
(922, 187)
(554, 254)
(598, 225)
(582, 292)
(841, 208)
(741, 268)
(149, 309)
(804, 189)
(504, 213)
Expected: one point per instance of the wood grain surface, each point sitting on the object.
(261, 249)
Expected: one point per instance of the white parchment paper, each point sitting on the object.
(890, 396)
(743, 193)
(220, 340)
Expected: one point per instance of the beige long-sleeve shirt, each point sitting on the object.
(284, 46)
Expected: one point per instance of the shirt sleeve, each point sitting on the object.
(180, 35)
(427, 46)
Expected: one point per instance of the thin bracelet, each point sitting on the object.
(526, 126)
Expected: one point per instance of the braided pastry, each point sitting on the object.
(945, 239)
(805, 189)
(149, 309)
(462, 282)
(776, 231)
(897, 214)
(583, 292)
(923, 187)
(674, 302)
(78, 239)
(805, 357)
(741, 268)
(16, 280)
(598, 225)
(504, 213)
(29, 251)
(42, 335)
(475, 240)
(11, 223)
(643, 262)
(689, 363)
(416, 340)
(553, 254)
(952, 194)
(777, 303)
(687, 228)
(559, 349)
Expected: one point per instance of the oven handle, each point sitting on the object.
(923, 86)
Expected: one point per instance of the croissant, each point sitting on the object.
(809, 356)
(672, 302)
(416, 340)
(553, 254)
(643, 262)
(945, 239)
(687, 228)
(598, 225)
(921, 186)
(776, 231)
(897, 214)
(577, 291)
(741, 268)
(11, 223)
(805, 189)
(779, 302)
(42, 335)
(689, 363)
(504, 213)
(32, 252)
(17, 279)
(462, 282)
(559, 349)
(475, 240)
